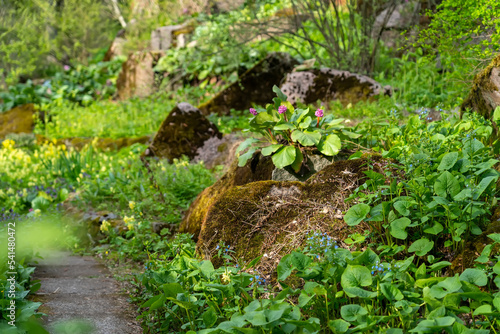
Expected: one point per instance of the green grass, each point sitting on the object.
(106, 119)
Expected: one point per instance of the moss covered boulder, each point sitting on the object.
(484, 95)
(137, 78)
(17, 120)
(257, 169)
(329, 84)
(274, 217)
(253, 86)
(183, 132)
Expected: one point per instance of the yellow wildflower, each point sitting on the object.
(128, 220)
(131, 205)
(105, 226)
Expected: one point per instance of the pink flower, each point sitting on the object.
(282, 109)
(49, 91)
(319, 113)
(253, 111)
(66, 67)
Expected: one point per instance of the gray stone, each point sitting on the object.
(328, 84)
(183, 132)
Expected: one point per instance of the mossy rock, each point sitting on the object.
(253, 86)
(484, 95)
(275, 217)
(183, 132)
(329, 84)
(17, 120)
(257, 169)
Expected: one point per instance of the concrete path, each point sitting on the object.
(80, 297)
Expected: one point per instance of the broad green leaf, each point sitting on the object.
(285, 267)
(338, 326)
(268, 150)
(209, 317)
(483, 185)
(207, 269)
(330, 146)
(263, 118)
(435, 229)
(279, 93)
(356, 276)
(465, 194)
(391, 292)
(398, 228)
(243, 159)
(299, 260)
(446, 184)
(299, 158)
(421, 247)
(471, 146)
(172, 289)
(495, 237)
(283, 126)
(448, 161)
(483, 309)
(305, 123)
(403, 207)
(306, 138)
(496, 114)
(359, 292)
(285, 156)
(474, 276)
(352, 311)
(356, 214)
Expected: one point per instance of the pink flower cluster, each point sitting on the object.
(282, 109)
(319, 113)
(253, 111)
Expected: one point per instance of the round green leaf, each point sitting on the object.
(268, 150)
(448, 161)
(356, 276)
(338, 326)
(330, 146)
(356, 214)
(351, 312)
(446, 184)
(398, 228)
(306, 138)
(285, 156)
(421, 247)
(403, 207)
(474, 276)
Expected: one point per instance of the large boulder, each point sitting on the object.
(218, 151)
(137, 78)
(253, 86)
(274, 217)
(183, 132)
(116, 48)
(329, 84)
(484, 97)
(17, 120)
(258, 168)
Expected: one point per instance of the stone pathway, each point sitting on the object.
(80, 297)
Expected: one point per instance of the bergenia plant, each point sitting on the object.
(289, 134)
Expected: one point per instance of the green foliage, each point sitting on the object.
(105, 119)
(452, 186)
(291, 133)
(81, 85)
(37, 34)
(465, 33)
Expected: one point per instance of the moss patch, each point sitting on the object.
(17, 120)
(272, 218)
